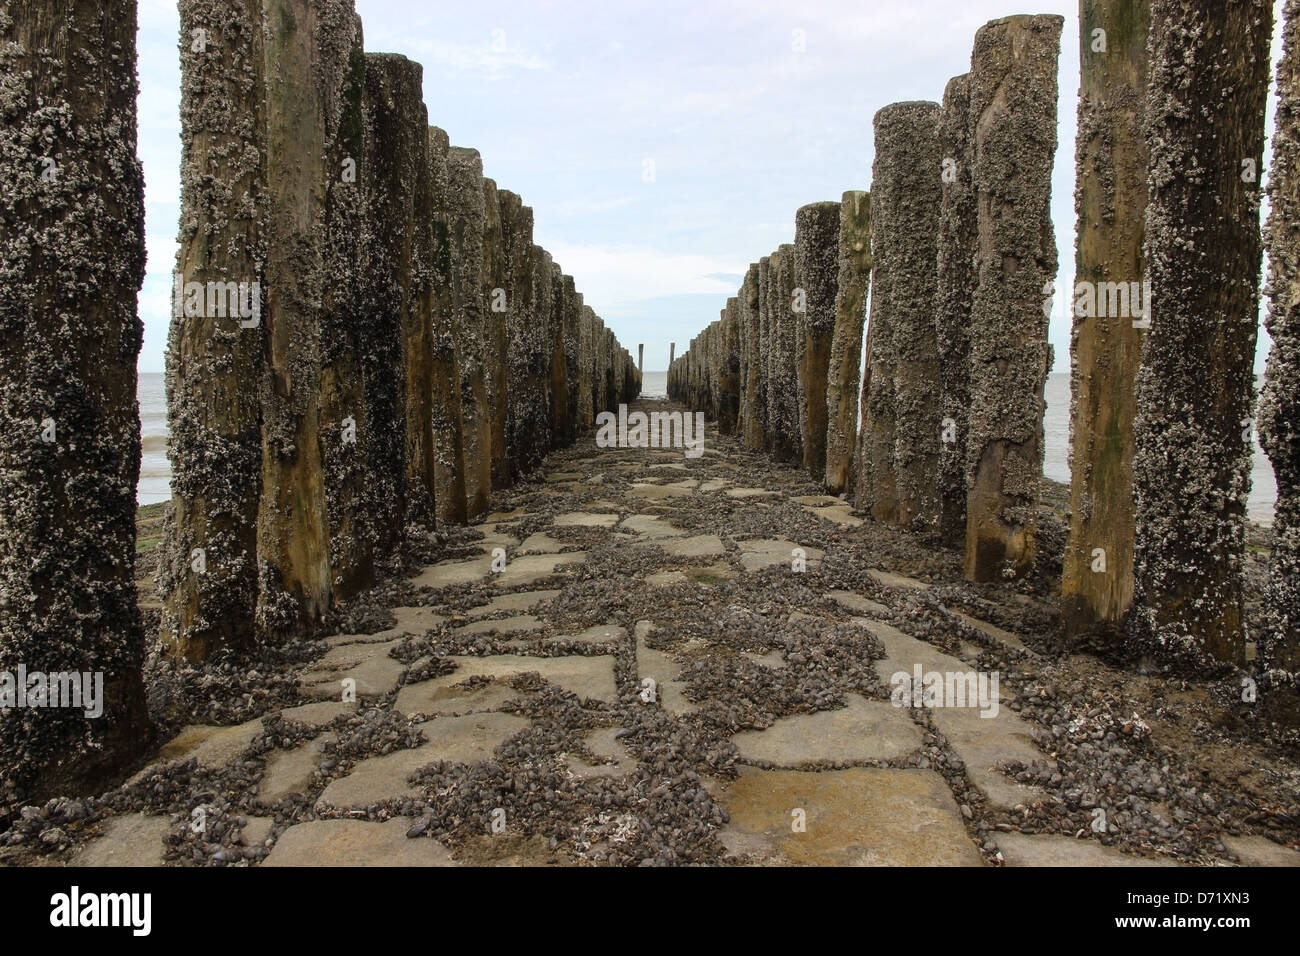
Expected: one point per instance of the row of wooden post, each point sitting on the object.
(365, 342)
(415, 349)
(958, 245)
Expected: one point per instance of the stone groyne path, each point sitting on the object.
(647, 658)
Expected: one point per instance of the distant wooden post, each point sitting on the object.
(817, 257)
(468, 218)
(898, 467)
(955, 287)
(843, 374)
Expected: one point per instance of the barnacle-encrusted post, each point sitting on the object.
(1106, 345)
(1279, 405)
(496, 335)
(71, 262)
(466, 219)
(1192, 435)
(954, 289)
(817, 253)
(1013, 92)
(217, 344)
(846, 346)
(445, 404)
(898, 464)
(346, 430)
(307, 48)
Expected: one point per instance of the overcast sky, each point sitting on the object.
(570, 102)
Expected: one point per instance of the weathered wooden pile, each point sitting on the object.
(959, 249)
(365, 342)
(415, 349)
(955, 243)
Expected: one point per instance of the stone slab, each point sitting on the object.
(858, 817)
(290, 772)
(650, 526)
(539, 542)
(758, 553)
(891, 580)
(375, 673)
(320, 713)
(863, 730)
(585, 519)
(210, 746)
(532, 568)
(519, 624)
(585, 676)
(519, 601)
(356, 843)
(132, 840)
(603, 743)
(1261, 851)
(696, 546)
(447, 574)
(438, 696)
(857, 603)
(1054, 849)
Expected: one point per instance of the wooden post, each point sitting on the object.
(955, 287)
(215, 357)
(467, 220)
(1106, 348)
(72, 248)
(1279, 406)
(817, 254)
(854, 265)
(1013, 121)
(898, 470)
(346, 429)
(1191, 464)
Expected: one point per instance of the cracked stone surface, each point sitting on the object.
(982, 742)
(519, 601)
(1051, 849)
(369, 665)
(858, 817)
(758, 553)
(585, 519)
(453, 695)
(132, 840)
(533, 568)
(857, 603)
(355, 843)
(790, 673)
(290, 772)
(864, 730)
(521, 623)
(697, 546)
(650, 526)
(585, 676)
(603, 743)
